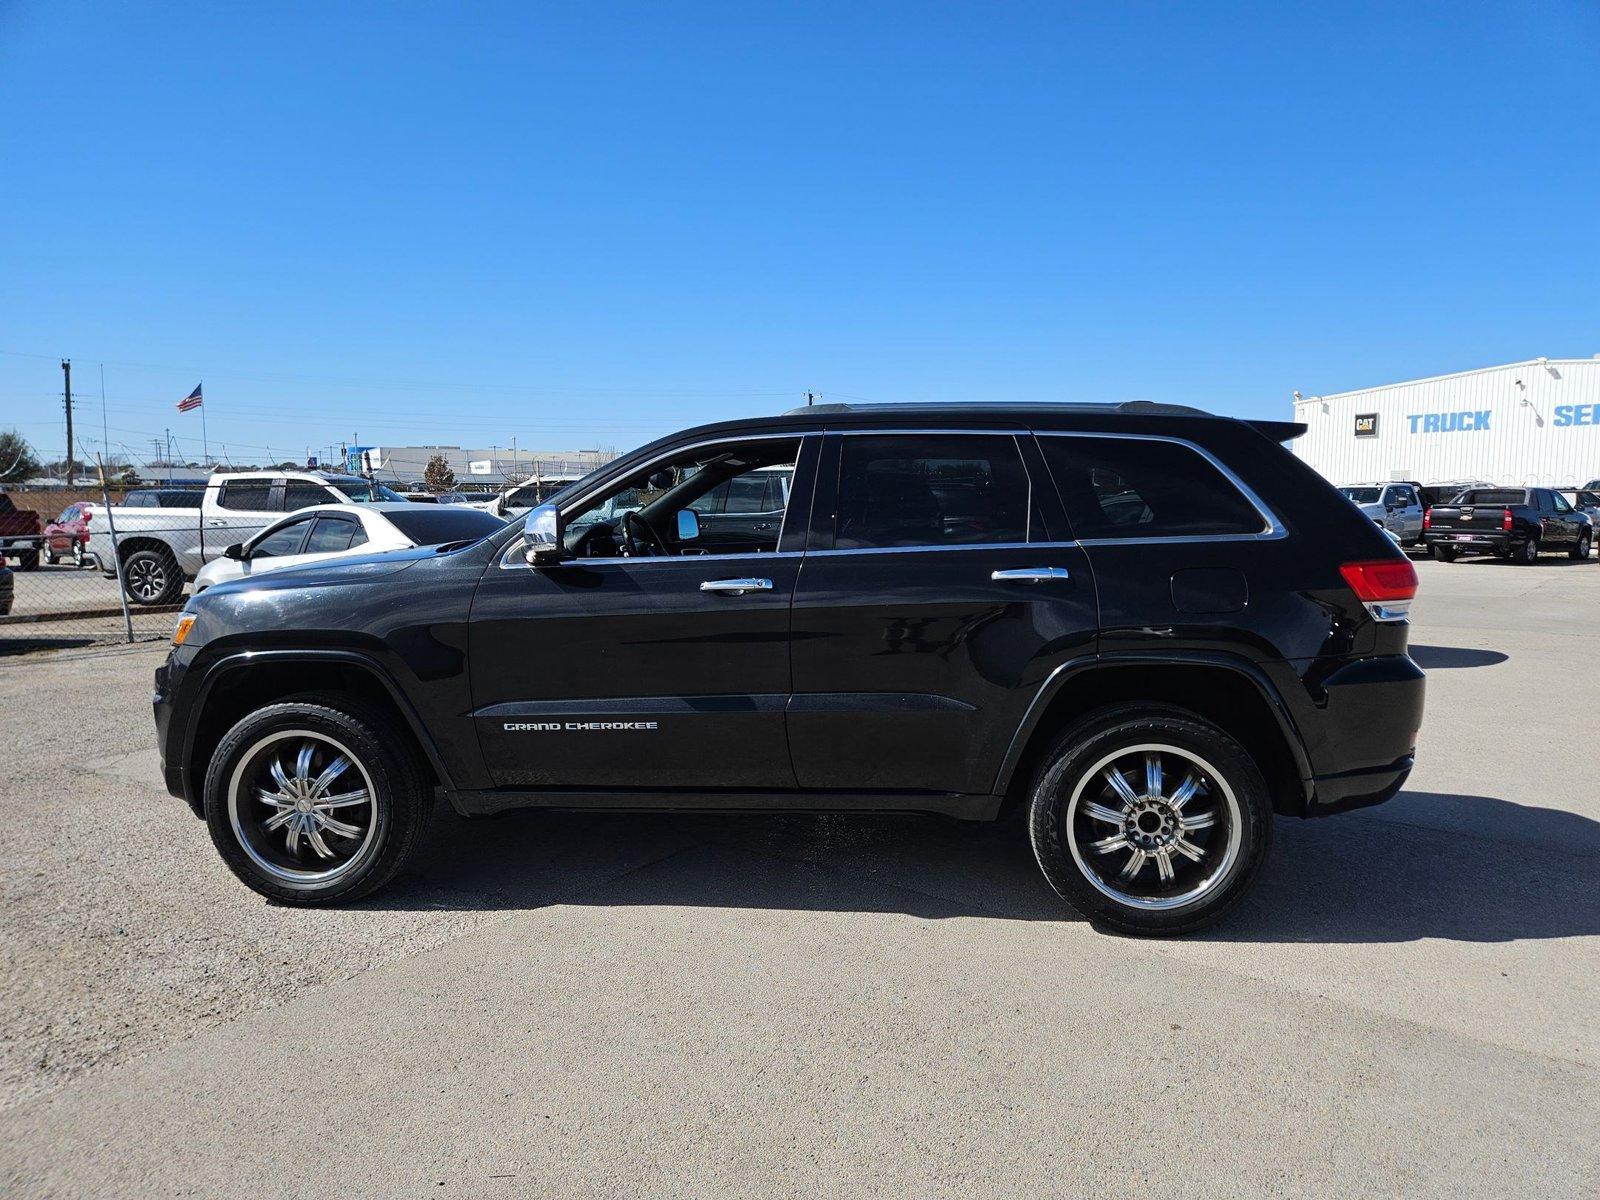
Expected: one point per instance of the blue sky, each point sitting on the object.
(589, 224)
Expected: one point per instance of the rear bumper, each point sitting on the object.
(1359, 789)
(1490, 542)
(1369, 712)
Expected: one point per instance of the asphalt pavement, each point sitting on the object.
(609, 1005)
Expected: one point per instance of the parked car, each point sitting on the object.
(1585, 500)
(1508, 523)
(1150, 627)
(8, 589)
(519, 498)
(161, 547)
(167, 497)
(67, 536)
(1396, 507)
(1443, 493)
(21, 533)
(344, 530)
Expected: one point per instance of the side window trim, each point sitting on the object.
(1272, 528)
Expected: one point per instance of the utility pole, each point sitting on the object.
(811, 398)
(168, 432)
(66, 375)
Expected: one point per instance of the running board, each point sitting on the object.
(959, 805)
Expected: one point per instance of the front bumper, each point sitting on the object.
(168, 732)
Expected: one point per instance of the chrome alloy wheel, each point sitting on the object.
(287, 814)
(1153, 826)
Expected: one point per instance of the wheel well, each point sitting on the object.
(131, 545)
(1226, 698)
(245, 689)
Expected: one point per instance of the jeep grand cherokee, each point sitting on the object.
(1147, 628)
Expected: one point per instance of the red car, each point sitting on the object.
(67, 536)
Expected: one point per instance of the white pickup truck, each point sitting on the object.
(161, 548)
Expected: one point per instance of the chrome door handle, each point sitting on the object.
(736, 587)
(1030, 575)
(215, 521)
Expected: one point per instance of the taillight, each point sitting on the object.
(1386, 586)
(1427, 518)
(1505, 520)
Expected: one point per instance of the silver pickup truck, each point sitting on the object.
(161, 548)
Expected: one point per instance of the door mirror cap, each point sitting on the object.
(542, 536)
(688, 525)
(236, 552)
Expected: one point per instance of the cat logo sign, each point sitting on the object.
(1366, 424)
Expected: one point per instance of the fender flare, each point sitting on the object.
(350, 658)
(1075, 668)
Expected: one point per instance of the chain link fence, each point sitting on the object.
(88, 561)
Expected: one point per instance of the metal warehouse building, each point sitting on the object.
(1529, 423)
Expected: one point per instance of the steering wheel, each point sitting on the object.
(638, 538)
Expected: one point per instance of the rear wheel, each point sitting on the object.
(1528, 552)
(1581, 550)
(1149, 819)
(318, 799)
(151, 577)
(1444, 553)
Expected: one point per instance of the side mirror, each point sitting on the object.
(542, 534)
(235, 552)
(688, 525)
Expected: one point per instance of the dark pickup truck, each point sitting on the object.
(21, 534)
(1507, 523)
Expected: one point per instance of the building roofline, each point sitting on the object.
(1378, 387)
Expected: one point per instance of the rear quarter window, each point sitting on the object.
(1134, 488)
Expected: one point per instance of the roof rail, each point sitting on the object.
(1152, 408)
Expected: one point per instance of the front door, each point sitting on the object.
(941, 590)
(643, 662)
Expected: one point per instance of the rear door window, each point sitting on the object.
(901, 490)
(245, 495)
(330, 535)
(1116, 488)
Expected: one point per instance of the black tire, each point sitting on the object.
(1443, 553)
(1580, 551)
(78, 557)
(151, 577)
(1528, 552)
(46, 558)
(384, 762)
(28, 561)
(1067, 783)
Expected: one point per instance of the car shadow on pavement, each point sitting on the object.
(1433, 658)
(1471, 868)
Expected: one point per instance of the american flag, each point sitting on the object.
(192, 400)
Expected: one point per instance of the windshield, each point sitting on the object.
(1481, 496)
(362, 492)
(1362, 495)
(431, 524)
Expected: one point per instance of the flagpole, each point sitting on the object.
(205, 447)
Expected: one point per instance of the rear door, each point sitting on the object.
(939, 590)
(235, 511)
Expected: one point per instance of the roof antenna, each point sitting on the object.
(811, 398)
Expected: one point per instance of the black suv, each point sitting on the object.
(1145, 627)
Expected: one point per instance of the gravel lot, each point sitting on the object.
(618, 1005)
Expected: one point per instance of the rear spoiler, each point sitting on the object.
(1277, 431)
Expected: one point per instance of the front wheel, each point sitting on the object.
(46, 556)
(1149, 819)
(317, 799)
(77, 554)
(1581, 550)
